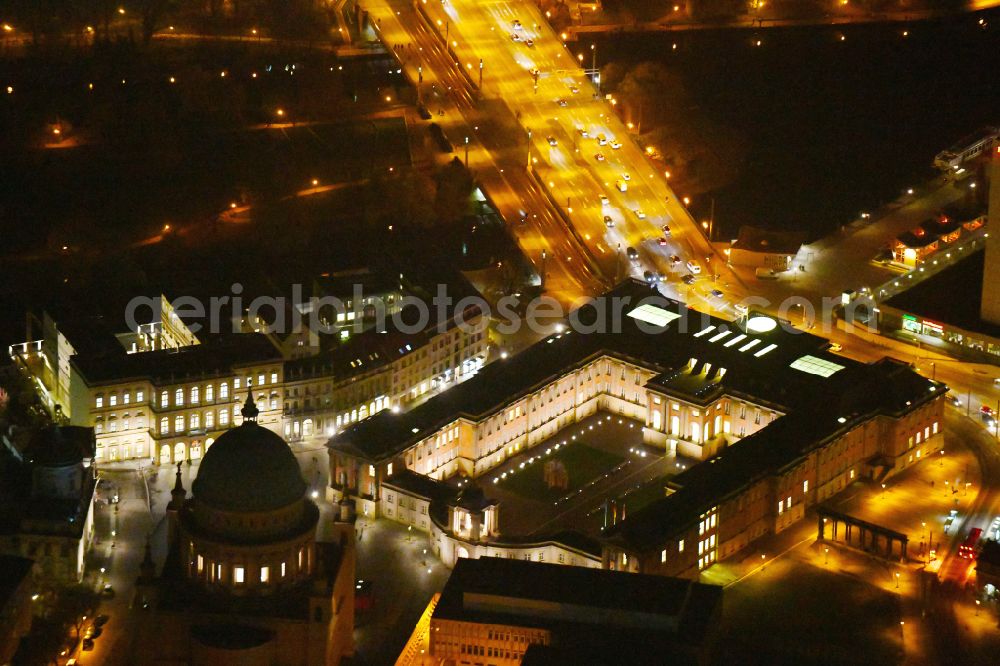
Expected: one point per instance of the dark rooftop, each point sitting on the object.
(757, 239)
(935, 297)
(598, 596)
(214, 358)
(61, 445)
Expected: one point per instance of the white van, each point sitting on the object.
(693, 267)
(621, 185)
(602, 140)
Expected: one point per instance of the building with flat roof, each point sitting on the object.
(497, 611)
(47, 497)
(799, 417)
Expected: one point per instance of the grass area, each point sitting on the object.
(797, 612)
(583, 463)
(644, 495)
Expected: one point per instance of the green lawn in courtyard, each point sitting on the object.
(583, 464)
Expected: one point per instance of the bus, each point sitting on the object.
(968, 548)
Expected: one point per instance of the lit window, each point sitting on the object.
(781, 508)
(164, 425)
(283, 566)
(209, 420)
(99, 401)
(164, 399)
(179, 397)
(265, 574)
(113, 400)
(788, 502)
(195, 421)
(126, 397)
(223, 417)
(209, 393)
(178, 424)
(139, 395)
(224, 391)
(935, 428)
(371, 470)
(680, 546)
(260, 379)
(236, 383)
(663, 555)
(201, 564)
(274, 377)
(805, 486)
(238, 575)
(388, 469)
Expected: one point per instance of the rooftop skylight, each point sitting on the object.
(816, 366)
(652, 314)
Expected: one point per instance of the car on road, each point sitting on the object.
(584, 134)
(562, 102)
(662, 240)
(649, 277)
(741, 309)
(953, 400)
(529, 42)
(517, 25)
(609, 221)
(108, 591)
(615, 144)
(986, 410)
(626, 176)
(621, 185)
(602, 140)
(674, 260)
(632, 253)
(666, 230)
(715, 293)
(599, 157)
(693, 267)
(639, 214)
(514, 37)
(574, 89)
(604, 200)
(688, 279)
(552, 141)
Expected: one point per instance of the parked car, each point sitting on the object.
(632, 253)
(693, 267)
(688, 279)
(609, 221)
(552, 141)
(662, 240)
(674, 260)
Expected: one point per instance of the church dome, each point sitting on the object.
(249, 469)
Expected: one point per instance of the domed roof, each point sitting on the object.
(248, 469)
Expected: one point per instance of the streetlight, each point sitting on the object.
(883, 490)
(826, 555)
(977, 607)
(897, 580)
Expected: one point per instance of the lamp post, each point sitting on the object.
(466, 152)
(480, 73)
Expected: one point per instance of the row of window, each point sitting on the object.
(192, 395)
(240, 575)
